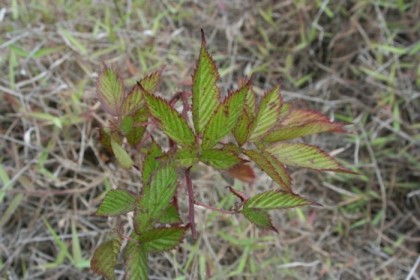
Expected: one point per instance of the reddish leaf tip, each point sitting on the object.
(203, 37)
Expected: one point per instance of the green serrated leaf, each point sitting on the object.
(259, 217)
(151, 163)
(132, 102)
(126, 124)
(276, 199)
(105, 258)
(243, 128)
(205, 93)
(170, 215)
(122, 156)
(186, 157)
(303, 155)
(290, 132)
(155, 197)
(135, 257)
(225, 117)
(151, 82)
(250, 102)
(162, 239)
(117, 202)
(219, 159)
(268, 113)
(272, 166)
(172, 123)
(110, 91)
(135, 135)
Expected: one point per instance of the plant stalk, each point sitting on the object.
(190, 203)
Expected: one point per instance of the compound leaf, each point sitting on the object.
(259, 217)
(135, 257)
(110, 91)
(122, 156)
(276, 199)
(272, 166)
(105, 257)
(117, 202)
(219, 159)
(172, 123)
(162, 239)
(225, 117)
(304, 155)
(205, 94)
(268, 113)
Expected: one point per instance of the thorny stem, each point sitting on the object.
(214, 208)
(190, 203)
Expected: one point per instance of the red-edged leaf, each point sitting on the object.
(162, 239)
(273, 167)
(152, 81)
(117, 202)
(259, 217)
(219, 159)
(105, 258)
(299, 116)
(268, 113)
(151, 163)
(307, 156)
(135, 134)
(135, 258)
(205, 93)
(243, 128)
(276, 199)
(110, 91)
(172, 123)
(225, 117)
(243, 172)
(290, 132)
(132, 102)
(155, 198)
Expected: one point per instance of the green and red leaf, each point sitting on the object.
(135, 258)
(205, 93)
(225, 117)
(272, 166)
(172, 123)
(135, 135)
(155, 197)
(152, 81)
(162, 239)
(259, 218)
(276, 199)
(219, 159)
(243, 128)
(268, 113)
(122, 156)
(303, 155)
(151, 162)
(105, 258)
(117, 202)
(132, 102)
(110, 91)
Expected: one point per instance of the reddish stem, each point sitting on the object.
(190, 203)
(214, 208)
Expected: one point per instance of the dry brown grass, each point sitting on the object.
(357, 61)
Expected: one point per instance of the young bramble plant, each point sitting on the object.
(257, 131)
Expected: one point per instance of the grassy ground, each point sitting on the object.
(357, 61)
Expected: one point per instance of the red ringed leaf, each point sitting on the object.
(307, 156)
(105, 257)
(205, 93)
(110, 91)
